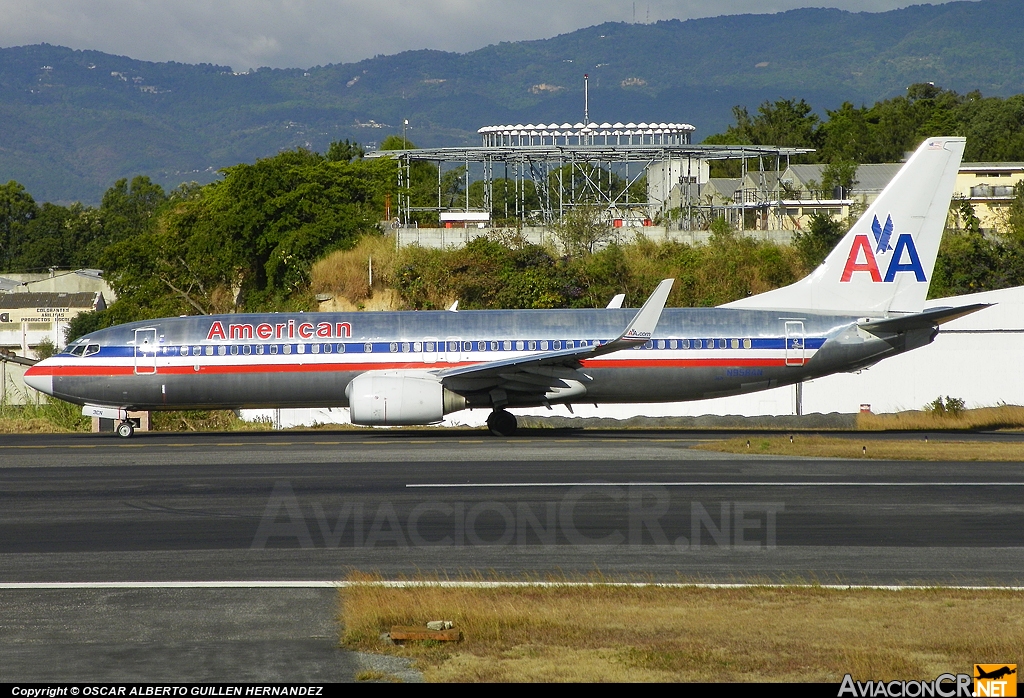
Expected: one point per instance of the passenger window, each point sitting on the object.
(273, 348)
(209, 350)
(746, 343)
(234, 349)
(247, 350)
(184, 351)
(368, 347)
(260, 348)
(341, 348)
(287, 348)
(222, 350)
(301, 348)
(316, 348)
(734, 343)
(393, 347)
(417, 346)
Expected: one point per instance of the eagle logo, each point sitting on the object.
(882, 234)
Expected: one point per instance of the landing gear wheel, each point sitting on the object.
(502, 423)
(125, 430)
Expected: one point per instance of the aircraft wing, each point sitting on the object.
(921, 321)
(544, 371)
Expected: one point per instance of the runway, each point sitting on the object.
(625, 505)
(292, 509)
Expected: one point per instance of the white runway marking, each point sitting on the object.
(795, 483)
(411, 584)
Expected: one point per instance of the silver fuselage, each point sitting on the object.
(308, 359)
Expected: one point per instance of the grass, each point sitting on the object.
(45, 418)
(204, 420)
(607, 633)
(1000, 417)
(896, 449)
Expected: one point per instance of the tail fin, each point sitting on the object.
(884, 264)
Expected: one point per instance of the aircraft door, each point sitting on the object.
(795, 343)
(430, 350)
(453, 350)
(145, 351)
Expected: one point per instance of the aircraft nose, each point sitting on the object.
(40, 378)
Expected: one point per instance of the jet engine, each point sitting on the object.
(400, 398)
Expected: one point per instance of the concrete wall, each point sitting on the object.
(442, 238)
(62, 282)
(13, 390)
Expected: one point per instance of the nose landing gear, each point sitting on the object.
(502, 423)
(125, 430)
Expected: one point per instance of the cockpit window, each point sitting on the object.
(77, 350)
(91, 349)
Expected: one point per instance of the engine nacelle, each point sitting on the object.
(400, 398)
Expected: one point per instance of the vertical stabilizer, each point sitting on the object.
(885, 262)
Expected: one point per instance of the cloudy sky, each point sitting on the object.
(246, 34)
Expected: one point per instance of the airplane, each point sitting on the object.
(864, 303)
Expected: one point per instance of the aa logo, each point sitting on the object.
(995, 679)
(865, 257)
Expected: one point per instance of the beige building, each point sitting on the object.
(989, 188)
(28, 320)
(766, 201)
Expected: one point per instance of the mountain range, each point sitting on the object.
(72, 122)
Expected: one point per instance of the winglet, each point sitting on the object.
(641, 327)
(616, 301)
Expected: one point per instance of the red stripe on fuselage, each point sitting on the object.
(100, 370)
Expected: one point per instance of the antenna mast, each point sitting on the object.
(586, 99)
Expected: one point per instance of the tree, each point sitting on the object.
(343, 151)
(822, 235)
(839, 177)
(581, 229)
(17, 209)
(249, 240)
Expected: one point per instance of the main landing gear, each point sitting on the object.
(502, 423)
(125, 429)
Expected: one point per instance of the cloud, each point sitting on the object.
(302, 33)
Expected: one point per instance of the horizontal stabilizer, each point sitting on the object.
(921, 321)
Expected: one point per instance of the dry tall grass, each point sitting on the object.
(938, 449)
(1001, 417)
(345, 273)
(608, 633)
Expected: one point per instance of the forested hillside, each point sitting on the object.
(72, 122)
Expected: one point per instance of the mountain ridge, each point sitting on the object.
(71, 129)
